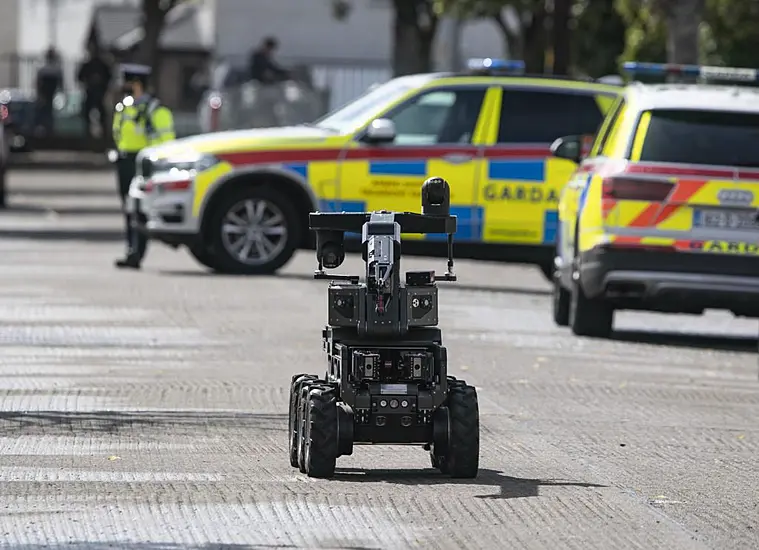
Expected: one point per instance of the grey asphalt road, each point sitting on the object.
(148, 410)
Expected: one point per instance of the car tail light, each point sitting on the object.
(636, 189)
(181, 185)
(639, 246)
(4, 112)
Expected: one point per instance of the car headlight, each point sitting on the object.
(197, 163)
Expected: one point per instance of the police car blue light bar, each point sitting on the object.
(698, 71)
(491, 64)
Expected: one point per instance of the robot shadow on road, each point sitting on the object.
(509, 487)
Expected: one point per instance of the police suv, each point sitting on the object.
(661, 214)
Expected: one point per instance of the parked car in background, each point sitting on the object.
(661, 215)
(240, 200)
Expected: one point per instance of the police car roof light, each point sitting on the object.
(489, 64)
(703, 72)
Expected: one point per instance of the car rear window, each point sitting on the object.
(702, 137)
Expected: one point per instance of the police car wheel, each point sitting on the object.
(203, 255)
(547, 269)
(254, 231)
(589, 317)
(560, 302)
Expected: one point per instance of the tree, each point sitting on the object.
(527, 42)
(154, 14)
(414, 27)
(598, 38)
(673, 24)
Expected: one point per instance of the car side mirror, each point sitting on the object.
(568, 148)
(381, 130)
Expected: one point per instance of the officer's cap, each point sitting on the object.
(133, 71)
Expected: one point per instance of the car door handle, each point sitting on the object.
(457, 158)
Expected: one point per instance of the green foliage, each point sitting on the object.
(733, 28)
(645, 34)
(598, 38)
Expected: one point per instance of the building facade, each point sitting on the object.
(343, 56)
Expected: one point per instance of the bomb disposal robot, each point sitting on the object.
(386, 380)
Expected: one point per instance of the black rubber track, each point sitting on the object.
(463, 457)
(295, 386)
(321, 433)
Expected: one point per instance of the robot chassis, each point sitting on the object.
(386, 380)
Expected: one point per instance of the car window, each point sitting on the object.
(537, 116)
(616, 132)
(361, 110)
(607, 127)
(438, 116)
(702, 137)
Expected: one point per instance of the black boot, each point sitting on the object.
(131, 261)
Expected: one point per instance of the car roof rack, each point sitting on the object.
(489, 66)
(661, 73)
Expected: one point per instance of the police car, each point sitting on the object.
(661, 214)
(240, 200)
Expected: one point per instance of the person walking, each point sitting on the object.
(95, 77)
(140, 120)
(49, 83)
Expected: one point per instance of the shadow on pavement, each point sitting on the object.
(445, 287)
(97, 236)
(508, 487)
(26, 423)
(61, 192)
(64, 210)
(694, 341)
(74, 545)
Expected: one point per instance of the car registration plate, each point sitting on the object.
(725, 219)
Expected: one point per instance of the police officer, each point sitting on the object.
(139, 121)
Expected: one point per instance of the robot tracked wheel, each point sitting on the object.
(386, 380)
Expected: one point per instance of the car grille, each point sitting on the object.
(146, 167)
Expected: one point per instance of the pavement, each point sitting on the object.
(148, 410)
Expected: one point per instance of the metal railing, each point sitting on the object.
(253, 105)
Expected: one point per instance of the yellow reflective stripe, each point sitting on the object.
(640, 136)
(486, 130)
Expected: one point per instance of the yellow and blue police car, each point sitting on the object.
(661, 214)
(240, 200)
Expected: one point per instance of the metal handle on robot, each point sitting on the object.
(331, 227)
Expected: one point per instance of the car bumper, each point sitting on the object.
(671, 281)
(167, 215)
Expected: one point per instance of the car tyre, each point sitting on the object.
(560, 298)
(547, 269)
(203, 256)
(589, 317)
(278, 205)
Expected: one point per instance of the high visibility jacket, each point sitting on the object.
(141, 123)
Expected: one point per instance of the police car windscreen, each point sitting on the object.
(702, 137)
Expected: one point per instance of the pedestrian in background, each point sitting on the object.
(49, 83)
(263, 68)
(95, 76)
(140, 120)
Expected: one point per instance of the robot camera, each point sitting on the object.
(436, 197)
(330, 248)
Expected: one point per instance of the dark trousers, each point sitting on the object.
(94, 102)
(136, 241)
